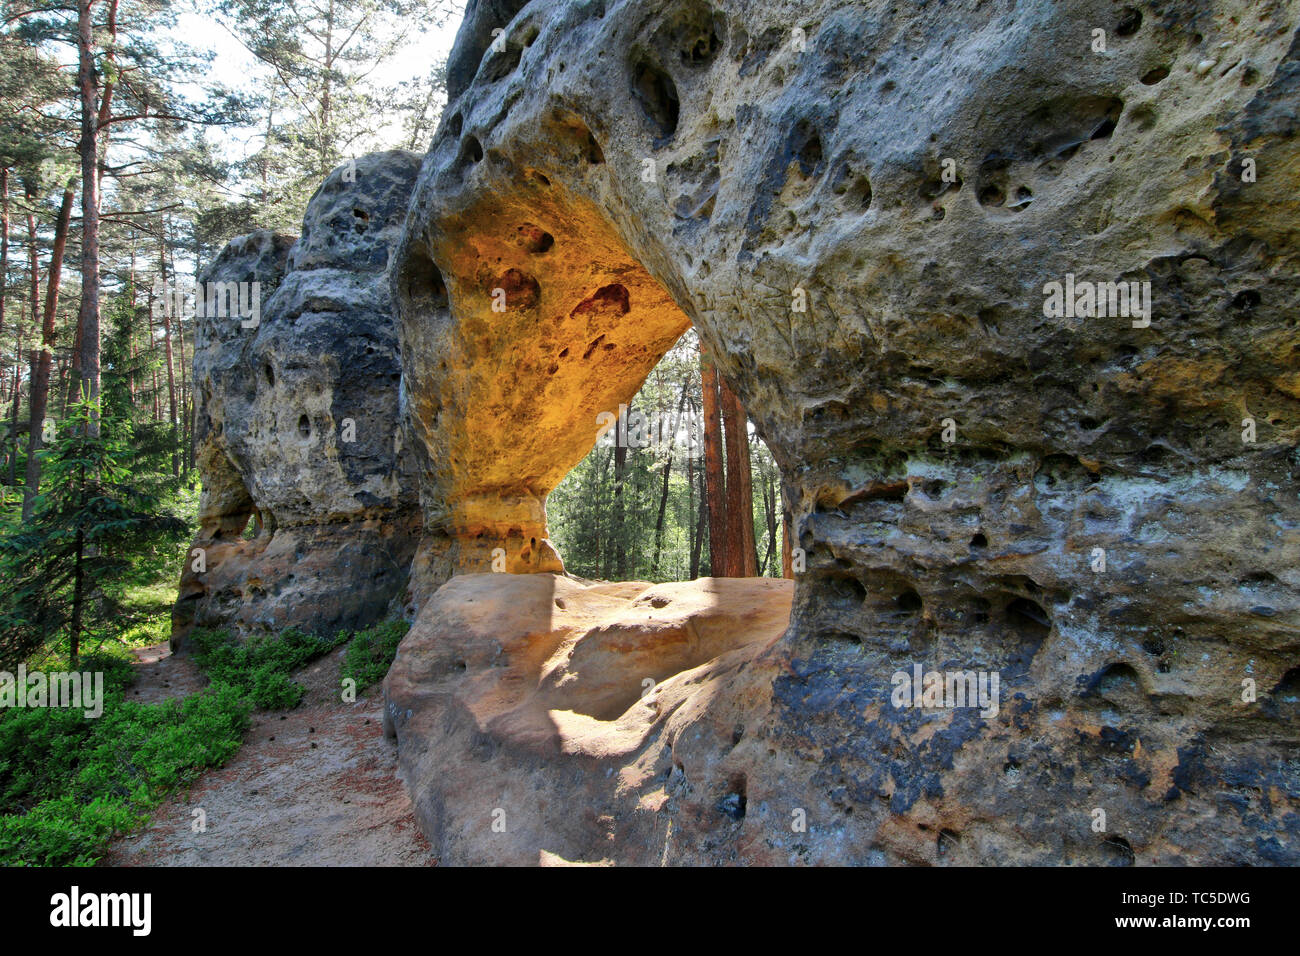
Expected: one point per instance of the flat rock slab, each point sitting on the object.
(537, 716)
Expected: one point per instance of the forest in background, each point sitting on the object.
(129, 155)
(127, 160)
(681, 488)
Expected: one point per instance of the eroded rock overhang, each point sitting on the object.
(860, 207)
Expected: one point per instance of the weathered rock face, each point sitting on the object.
(861, 206)
(573, 681)
(297, 421)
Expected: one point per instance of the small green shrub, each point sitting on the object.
(260, 666)
(371, 652)
(68, 782)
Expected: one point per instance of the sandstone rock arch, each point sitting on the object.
(860, 206)
(505, 395)
(861, 299)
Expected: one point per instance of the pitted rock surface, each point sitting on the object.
(860, 207)
(863, 208)
(298, 422)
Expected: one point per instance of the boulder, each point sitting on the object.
(540, 719)
(309, 514)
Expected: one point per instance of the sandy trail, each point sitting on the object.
(314, 786)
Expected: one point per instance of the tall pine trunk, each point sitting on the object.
(4, 247)
(618, 535)
(701, 529)
(692, 537)
(770, 514)
(87, 383)
(130, 323)
(663, 492)
(35, 296)
(185, 438)
(40, 388)
(743, 554)
(167, 339)
(787, 546)
(715, 490)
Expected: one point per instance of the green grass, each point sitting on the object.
(68, 783)
(149, 608)
(145, 620)
(370, 653)
(260, 666)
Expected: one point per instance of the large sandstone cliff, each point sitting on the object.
(860, 206)
(297, 435)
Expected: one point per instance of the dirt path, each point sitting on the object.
(314, 786)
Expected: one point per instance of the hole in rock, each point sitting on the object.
(733, 802)
(635, 507)
(569, 130)
(1105, 129)
(1130, 20)
(655, 91)
(1256, 578)
(534, 239)
(585, 441)
(471, 153)
(1246, 301)
(423, 282)
(304, 427)
(909, 602)
(1287, 692)
(703, 45)
(1028, 619)
(253, 528)
(843, 637)
(808, 148)
(991, 195)
(514, 290)
(1118, 681)
(1153, 645)
(851, 591)
(502, 64)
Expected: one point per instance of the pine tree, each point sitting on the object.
(62, 573)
